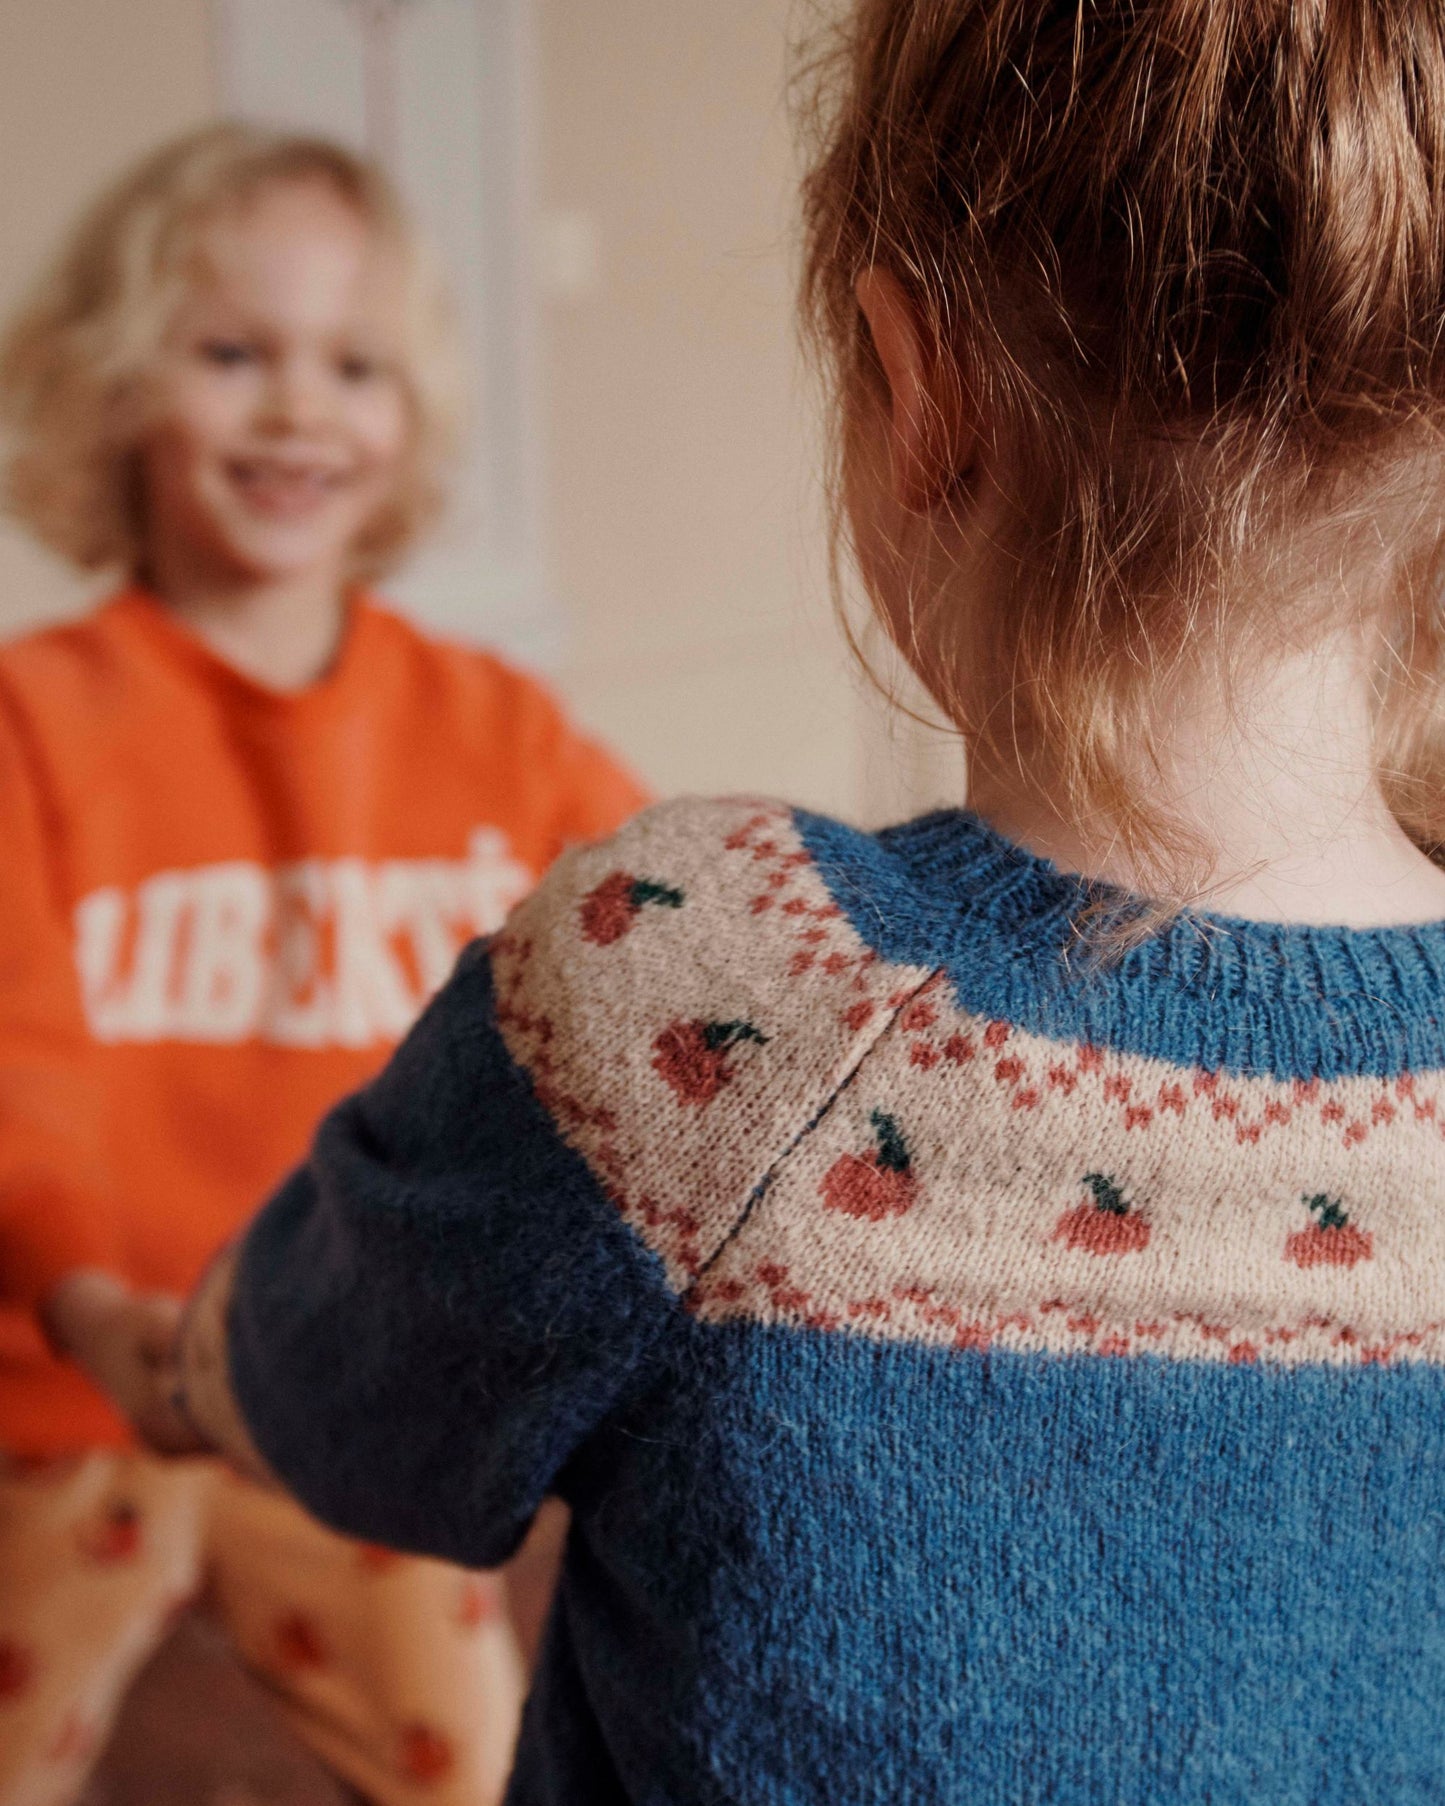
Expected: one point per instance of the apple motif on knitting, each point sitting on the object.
(17, 1668)
(1105, 1223)
(875, 1185)
(693, 1056)
(426, 1753)
(1332, 1240)
(116, 1536)
(609, 911)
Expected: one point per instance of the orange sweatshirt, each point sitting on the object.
(220, 908)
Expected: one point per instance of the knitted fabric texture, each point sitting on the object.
(979, 1372)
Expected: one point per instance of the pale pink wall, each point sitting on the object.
(85, 86)
(685, 495)
(685, 516)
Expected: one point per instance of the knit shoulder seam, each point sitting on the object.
(753, 1202)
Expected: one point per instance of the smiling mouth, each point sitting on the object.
(285, 491)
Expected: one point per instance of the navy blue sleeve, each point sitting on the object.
(432, 1313)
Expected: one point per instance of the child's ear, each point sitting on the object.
(928, 451)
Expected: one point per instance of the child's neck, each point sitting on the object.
(283, 632)
(1279, 781)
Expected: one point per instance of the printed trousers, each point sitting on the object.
(400, 1672)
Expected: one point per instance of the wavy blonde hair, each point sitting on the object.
(1190, 257)
(73, 360)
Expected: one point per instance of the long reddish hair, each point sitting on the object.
(1191, 256)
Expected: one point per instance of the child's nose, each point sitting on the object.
(297, 396)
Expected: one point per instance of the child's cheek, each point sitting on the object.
(383, 429)
(194, 415)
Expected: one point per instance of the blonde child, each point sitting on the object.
(981, 1285)
(249, 817)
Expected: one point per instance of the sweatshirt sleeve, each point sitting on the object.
(53, 1215)
(431, 1314)
(594, 791)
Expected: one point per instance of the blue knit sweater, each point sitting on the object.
(978, 1373)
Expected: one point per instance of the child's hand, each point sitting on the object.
(125, 1342)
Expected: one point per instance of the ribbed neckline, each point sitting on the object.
(176, 641)
(1212, 991)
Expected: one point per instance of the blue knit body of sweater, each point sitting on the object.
(981, 1373)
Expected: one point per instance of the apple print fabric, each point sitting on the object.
(706, 953)
(1191, 1233)
(915, 1170)
(103, 1552)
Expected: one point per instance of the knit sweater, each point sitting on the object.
(980, 1371)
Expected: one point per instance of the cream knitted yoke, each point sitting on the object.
(979, 1372)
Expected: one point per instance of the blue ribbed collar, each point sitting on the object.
(1212, 992)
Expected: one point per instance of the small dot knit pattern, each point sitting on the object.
(982, 1368)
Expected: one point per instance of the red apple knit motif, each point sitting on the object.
(877, 1184)
(1332, 1240)
(609, 911)
(1105, 1223)
(693, 1056)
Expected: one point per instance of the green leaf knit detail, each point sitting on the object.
(1107, 1194)
(1330, 1211)
(893, 1155)
(646, 890)
(718, 1035)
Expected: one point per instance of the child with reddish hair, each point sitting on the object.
(981, 1285)
(250, 815)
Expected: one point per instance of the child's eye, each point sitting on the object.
(357, 368)
(228, 354)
